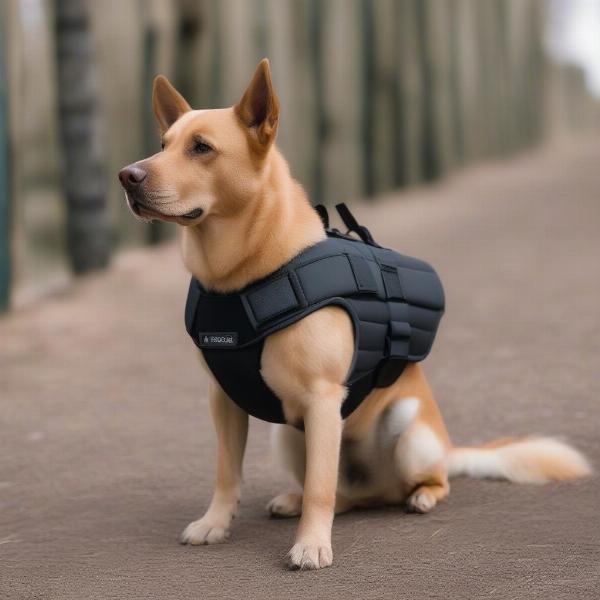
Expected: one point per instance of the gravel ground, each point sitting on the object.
(107, 450)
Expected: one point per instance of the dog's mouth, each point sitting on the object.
(144, 211)
(194, 214)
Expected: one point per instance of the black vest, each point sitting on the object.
(395, 303)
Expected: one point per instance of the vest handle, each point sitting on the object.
(352, 224)
(323, 215)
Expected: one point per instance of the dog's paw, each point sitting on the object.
(285, 505)
(306, 557)
(422, 501)
(204, 531)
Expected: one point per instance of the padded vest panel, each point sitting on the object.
(395, 303)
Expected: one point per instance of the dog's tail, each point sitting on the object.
(521, 460)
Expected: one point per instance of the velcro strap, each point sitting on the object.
(362, 273)
(327, 277)
(271, 299)
(391, 280)
(399, 339)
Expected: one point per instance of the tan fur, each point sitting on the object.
(231, 424)
(254, 219)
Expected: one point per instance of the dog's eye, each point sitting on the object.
(202, 148)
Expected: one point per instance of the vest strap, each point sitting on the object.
(323, 215)
(391, 280)
(271, 299)
(306, 285)
(399, 336)
(365, 280)
(352, 224)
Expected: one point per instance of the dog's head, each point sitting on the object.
(211, 160)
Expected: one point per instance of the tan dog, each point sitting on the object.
(222, 178)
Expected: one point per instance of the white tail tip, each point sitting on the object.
(527, 460)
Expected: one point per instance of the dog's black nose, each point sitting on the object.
(131, 177)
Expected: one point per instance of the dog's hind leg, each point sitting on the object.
(420, 461)
(429, 492)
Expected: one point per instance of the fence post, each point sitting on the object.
(342, 61)
(159, 230)
(83, 166)
(409, 129)
(383, 157)
(5, 213)
(433, 22)
(316, 15)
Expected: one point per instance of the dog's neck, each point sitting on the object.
(226, 253)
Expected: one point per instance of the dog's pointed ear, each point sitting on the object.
(259, 107)
(167, 102)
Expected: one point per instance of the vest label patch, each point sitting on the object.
(218, 339)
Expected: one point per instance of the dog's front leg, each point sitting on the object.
(323, 430)
(231, 425)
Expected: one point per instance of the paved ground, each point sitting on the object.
(106, 449)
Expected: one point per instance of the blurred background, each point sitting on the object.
(375, 95)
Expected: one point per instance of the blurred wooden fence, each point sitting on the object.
(375, 94)
(5, 216)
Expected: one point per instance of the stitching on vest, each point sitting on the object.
(297, 287)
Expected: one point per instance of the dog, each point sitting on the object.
(221, 177)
